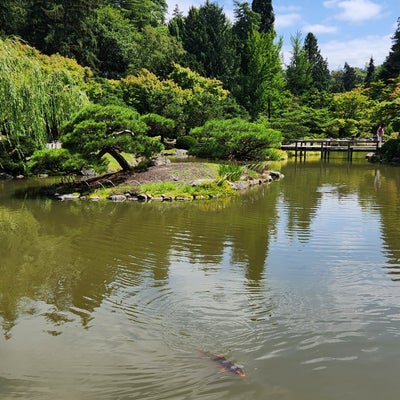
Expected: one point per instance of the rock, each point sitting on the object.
(275, 175)
(160, 160)
(199, 182)
(372, 158)
(87, 172)
(240, 185)
(69, 196)
(183, 198)
(117, 197)
(157, 198)
(6, 177)
(181, 153)
(141, 197)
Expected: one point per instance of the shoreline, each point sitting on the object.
(197, 180)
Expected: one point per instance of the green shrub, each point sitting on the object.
(54, 161)
(390, 150)
(185, 142)
(234, 139)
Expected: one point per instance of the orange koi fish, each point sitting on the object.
(226, 365)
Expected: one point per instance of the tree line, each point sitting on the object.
(173, 77)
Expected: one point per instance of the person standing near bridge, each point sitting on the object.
(379, 134)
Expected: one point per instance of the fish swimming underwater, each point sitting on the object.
(226, 365)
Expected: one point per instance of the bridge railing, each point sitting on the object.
(325, 146)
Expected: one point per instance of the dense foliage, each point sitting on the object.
(234, 139)
(38, 95)
(198, 78)
(98, 130)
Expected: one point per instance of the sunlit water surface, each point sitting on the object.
(297, 281)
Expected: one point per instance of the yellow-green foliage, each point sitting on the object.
(37, 92)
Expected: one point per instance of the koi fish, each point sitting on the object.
(226, 365)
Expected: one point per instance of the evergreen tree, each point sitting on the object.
(207, 37)
(12, 16)
(370, 77)
(349, 77)
(319, 66)
(117, 42)
(265, 9)
(391, 67)
(66, 27)
(37, 25)
(299, 71)
(245, 21)
(143, 12)
(176, 23)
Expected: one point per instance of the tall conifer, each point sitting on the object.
(265, 9)
(391, 66)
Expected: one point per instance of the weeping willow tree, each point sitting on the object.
(37, 95)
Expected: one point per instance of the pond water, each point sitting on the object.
(297, 281)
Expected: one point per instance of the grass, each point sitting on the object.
(215, 186)
(184, 190)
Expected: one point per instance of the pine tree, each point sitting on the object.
(349, 77)
(265, 9)
(245, 21)
(319, 66)
(391, 66)
(207, 37)
(144, 12)
(370, 77)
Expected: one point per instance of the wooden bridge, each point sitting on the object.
(301, 147)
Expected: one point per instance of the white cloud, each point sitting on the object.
(285, 9)
(286, 20)
(355, 10)
(318, 28)
(357, 52)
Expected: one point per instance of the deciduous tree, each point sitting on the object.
(263, 86)
(39, 94)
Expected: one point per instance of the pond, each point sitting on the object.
(297, 281)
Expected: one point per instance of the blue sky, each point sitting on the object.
(346, 30)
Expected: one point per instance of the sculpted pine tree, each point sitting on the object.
(97, 130)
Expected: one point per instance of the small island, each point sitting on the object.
(167, 181)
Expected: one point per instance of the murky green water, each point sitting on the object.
(298, 282)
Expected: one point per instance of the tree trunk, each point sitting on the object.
(118, 157)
